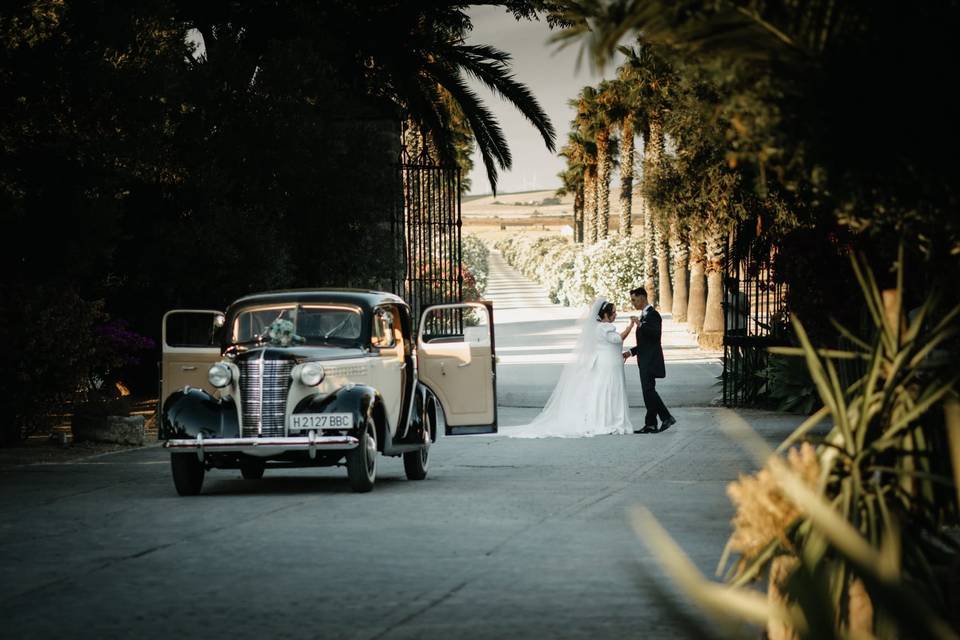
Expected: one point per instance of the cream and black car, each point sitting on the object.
(319, 378)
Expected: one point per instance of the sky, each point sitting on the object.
(554, 80)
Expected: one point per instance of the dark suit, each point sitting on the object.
(649, 354)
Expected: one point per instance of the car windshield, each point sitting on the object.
(337, 325)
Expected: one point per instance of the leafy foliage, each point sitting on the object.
(475, 257)
(575, 274)
(862, 524)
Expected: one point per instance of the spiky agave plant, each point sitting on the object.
(861, 543)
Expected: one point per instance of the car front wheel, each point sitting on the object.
(187, 473)
(362, 461)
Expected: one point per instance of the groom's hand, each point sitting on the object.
(626, 354)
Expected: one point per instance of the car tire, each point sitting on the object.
(188, 473)
(252, 468)
(415, 463)
(362, 461)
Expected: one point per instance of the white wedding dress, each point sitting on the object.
(591, 397)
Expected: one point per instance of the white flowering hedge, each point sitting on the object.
(474, 257)
(574, 274)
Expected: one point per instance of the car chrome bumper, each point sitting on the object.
(311, 444)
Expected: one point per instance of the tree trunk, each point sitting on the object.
(696, 307)
(649, 250)
(678, 240)
(663, 265)
(604, 163)
(589, 210)
(626, 179)
(578, 214)
(712, 335)
(652, 157)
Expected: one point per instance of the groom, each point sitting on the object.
(649, 354)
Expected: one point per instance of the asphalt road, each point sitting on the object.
(505, 538)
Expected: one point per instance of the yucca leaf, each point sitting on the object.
(800, 432)
(757, 565)
(823, 353)
(923, 475)
(936, 339)
(846, 333)
(898, 299)
(921, 407)
(875, 307)
(888, 332)
(947, 320)
(842, 417)
(890, 549)
(722, 601)
(815, 368)
(823, 515)
(951, 413)
(871, 408)
(894, 364)
(913, 329)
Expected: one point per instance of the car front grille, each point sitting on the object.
(263, 392)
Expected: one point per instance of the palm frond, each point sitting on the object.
(488, 65)
(489, 136)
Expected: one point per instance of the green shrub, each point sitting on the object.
(575, 274)
(51, 345)
(475, 256)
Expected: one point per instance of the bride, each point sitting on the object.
(590, 398)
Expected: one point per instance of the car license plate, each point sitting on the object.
(304, 421)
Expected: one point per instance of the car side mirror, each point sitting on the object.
(218, 320)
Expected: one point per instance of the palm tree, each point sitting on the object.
(609, 112)
(696, 307)
(653, 158)
(588, 124)
(649, 264)
(716, 242)
(626, 175)
(632, 116)
(652, 80)
(572, 179)
(679, 251)
(590, 200)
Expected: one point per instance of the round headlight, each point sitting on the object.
(219, 375)
(311, 374)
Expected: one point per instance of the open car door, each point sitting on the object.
(456, 361)
(190, 345)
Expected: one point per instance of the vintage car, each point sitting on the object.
(325, 377)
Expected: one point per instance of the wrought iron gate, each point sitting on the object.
(755, 314)
(427, 233)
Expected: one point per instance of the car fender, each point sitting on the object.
(423, 401)
(190, 412)
(357, 399)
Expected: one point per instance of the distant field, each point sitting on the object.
(543, 207)
(530, 212)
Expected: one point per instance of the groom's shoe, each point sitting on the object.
(666, 424)
(650, 428)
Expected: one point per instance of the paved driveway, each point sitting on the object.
(506, 538)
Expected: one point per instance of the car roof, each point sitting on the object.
(364, 298)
